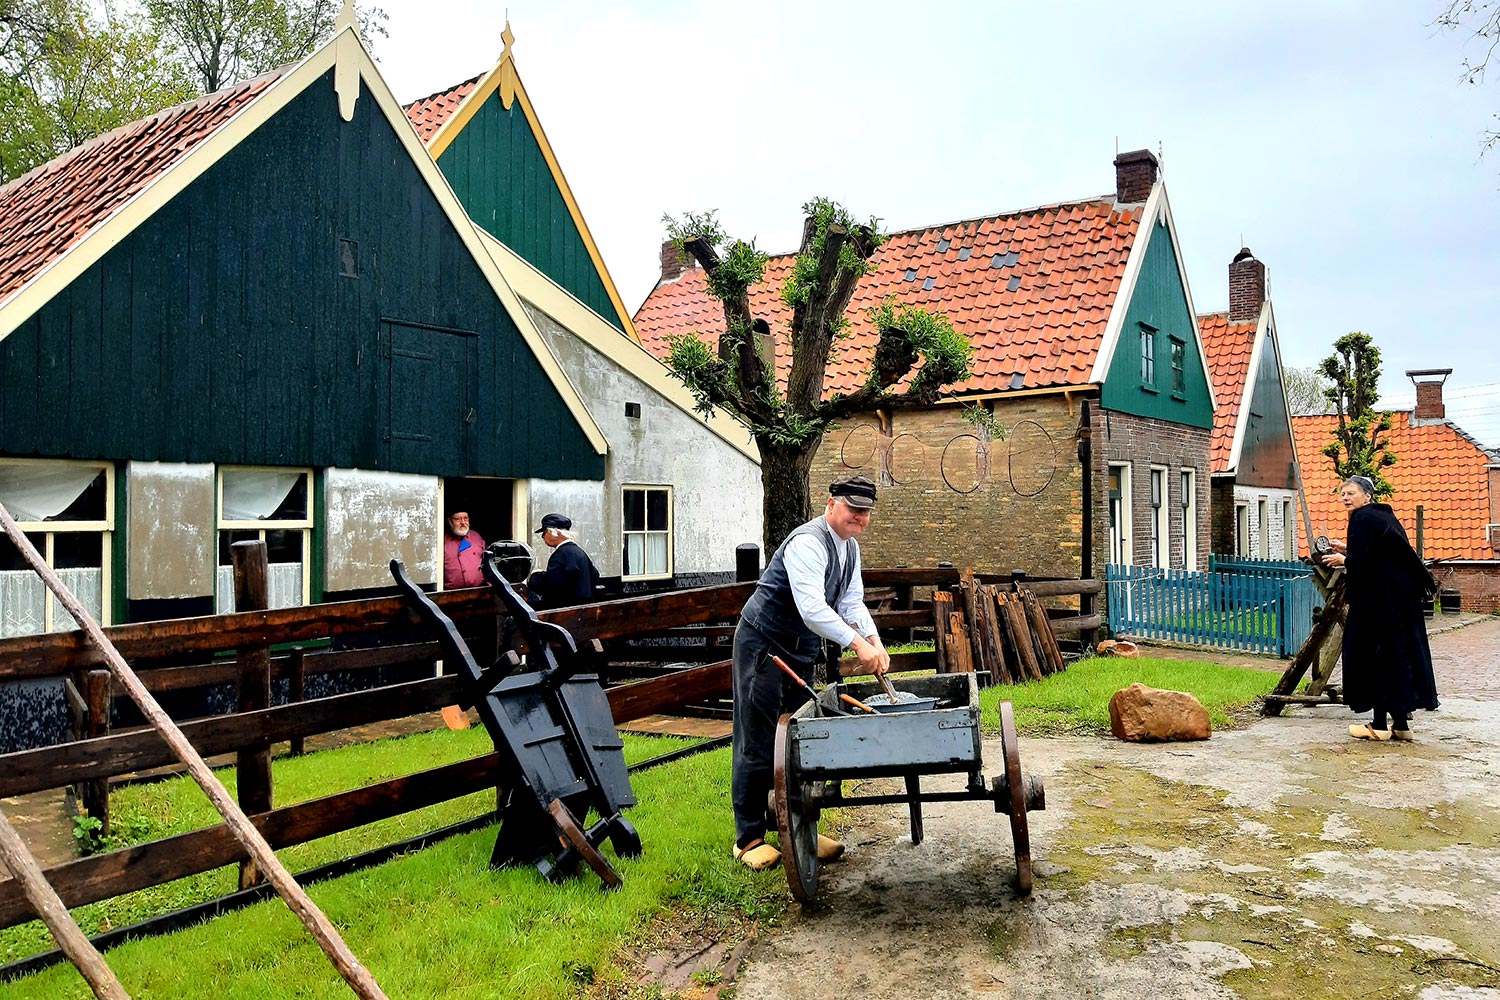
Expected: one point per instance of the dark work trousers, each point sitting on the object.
(761, 694)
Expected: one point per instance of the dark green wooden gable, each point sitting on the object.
(498, 171)
(227, 327)
(1159, 305)
(1266, 454)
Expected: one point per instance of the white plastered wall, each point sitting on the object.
(716, 491)
(1251, 496)
(374, 517)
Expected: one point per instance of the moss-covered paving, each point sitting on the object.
(1309, 896)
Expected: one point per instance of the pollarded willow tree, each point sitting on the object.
(1360, 447)
(789, 421)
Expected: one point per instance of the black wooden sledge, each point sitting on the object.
(560, 757)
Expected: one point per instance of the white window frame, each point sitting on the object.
(1242, 529)
(1148, 355)
(1262, 515)
(1122, 534)
(1161, 516)
(1187, 480)
(646, 534)
(49, 529)
(299, 524)
(1288, 532)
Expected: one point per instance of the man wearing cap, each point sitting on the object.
(571, 576)
(810, 591)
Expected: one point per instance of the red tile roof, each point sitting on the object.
(1228, 347)
(1032, 293)
(429, 113)
(1437, 466)
(51, 209)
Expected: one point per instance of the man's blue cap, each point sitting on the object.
(559, 521)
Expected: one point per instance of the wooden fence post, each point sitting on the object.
(95, 794)
(252, 579)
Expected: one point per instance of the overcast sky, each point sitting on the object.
(1333, 138)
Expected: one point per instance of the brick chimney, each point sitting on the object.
(1135, 173)
(1429, 383)
(1247, 287)
(674, 261)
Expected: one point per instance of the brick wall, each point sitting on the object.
(939, 502)
(1478, 584)
(1141, 442)
(1221, 519)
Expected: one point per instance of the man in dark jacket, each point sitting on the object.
(811, 591)
(570, 577)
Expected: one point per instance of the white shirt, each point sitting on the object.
(806, 562)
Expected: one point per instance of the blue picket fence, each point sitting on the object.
(1259, 606)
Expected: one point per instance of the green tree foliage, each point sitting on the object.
(1360, 447)
(789, 423)
(72, 69)
(1306, 391)
(225, 41)
(1480, 20)
(68, 73)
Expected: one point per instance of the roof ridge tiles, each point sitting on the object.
(444, 92)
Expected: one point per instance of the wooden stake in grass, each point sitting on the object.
(318, 925)
(70, 937)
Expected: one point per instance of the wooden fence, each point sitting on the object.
(249, 648)
(1252, 606)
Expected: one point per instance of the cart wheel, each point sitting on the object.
(568, 830)
(796, 821)
(1020, 835)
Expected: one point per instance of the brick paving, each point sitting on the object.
(1466, 660)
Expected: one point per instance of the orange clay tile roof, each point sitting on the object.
(1228, 347)
(46, 212)
(1437, 466)
(1031, 290)
(429, 113)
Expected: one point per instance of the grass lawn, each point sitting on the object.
(1077, 700)
(439, 923)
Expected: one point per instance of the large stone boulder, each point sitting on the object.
(1139, 713)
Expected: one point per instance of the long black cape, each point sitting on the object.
(1387, 664)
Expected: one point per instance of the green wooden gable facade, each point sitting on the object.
(1266, 456)
(1173, 386)
(304, 302)
(501, 175)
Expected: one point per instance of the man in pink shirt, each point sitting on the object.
(462, 551)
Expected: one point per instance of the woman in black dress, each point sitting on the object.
(1387, 665)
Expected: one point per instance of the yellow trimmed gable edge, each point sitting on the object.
(504, 73)
(557, 302)
(52, 280)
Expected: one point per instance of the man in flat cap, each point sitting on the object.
(571, 576)
(810, 591)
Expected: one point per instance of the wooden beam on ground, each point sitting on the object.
(68, 935)
(318, 925)
(1077, 623)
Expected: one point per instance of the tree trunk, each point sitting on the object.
(783, 478)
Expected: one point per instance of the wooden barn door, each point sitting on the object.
(429, 392)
